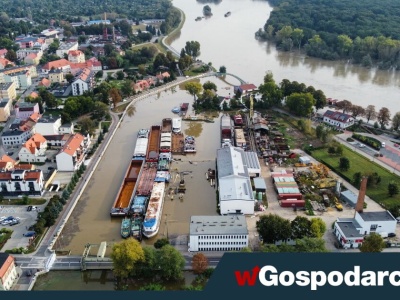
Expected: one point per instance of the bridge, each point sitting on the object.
(219, 74)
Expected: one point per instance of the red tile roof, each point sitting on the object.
(72, 144)
(75, 52)
(56, 64)
(6, 158)
(248, 86)
(45, 82)
(34, 95)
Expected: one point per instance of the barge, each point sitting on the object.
(141, 144)
(151, 223)
(154, 144)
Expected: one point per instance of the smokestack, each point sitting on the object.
(361, 195)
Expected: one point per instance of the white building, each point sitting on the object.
(76, 56)
(34, 149)
(83, 82)
(72, 154)
(338, 119)
(21, 182)
(65, 48)
(235, 191)
(67, 128)
(22, 53)
(218, 233)
(48, 125)
(15, 137)
(8, 271)
(350, 232)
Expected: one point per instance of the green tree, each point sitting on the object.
(357, 179)
(393, 188)
(161, 243)
(300, 103)
(310, 245)
(246, 250)
(100, 110)
(69, 77)
(344, 164)
(125, 256)
(396, 121)
(317, 227)
(301, 227)
(345, 45)
(120, 75)
(99, 74)
(370, 113)
(152, 287)
(383, 117)
(199, 263)
(318, 131)
(25, 199)
(273, 228)
(222, 69)
(192, 48)
(339, 150)
(210, 86)
(297, 36)
(193, 88)
(372, 243)
(87, 125)
(171, 262)
(48, 98)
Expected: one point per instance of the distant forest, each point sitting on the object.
(367, 31)
(41, 11)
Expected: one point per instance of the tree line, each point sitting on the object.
(364, 32)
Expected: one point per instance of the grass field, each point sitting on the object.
(361, 164)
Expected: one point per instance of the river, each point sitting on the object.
(230, 41)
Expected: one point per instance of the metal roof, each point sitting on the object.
(221, 225)
(259, 183)
(377, 216)
(349, 228)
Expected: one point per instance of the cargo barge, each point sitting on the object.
(146, 179)
(122, 201)
(154, 144)
(141, 144)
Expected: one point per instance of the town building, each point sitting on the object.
(73, 153)
(65, 48)
(50, 33)
(22, 53)
(29, 124)
(3, 53)
(15, 137)
(56, 76)
(218, 233)
(57, 140)
(31, 42)
(245, 89)
(33, 59)
(67, 128)
(8, 91)
(350, 232)
(24, 110)
(338, 119)
(6, 163)
(76, 56)
(8, 271)
(45, 83)
(83, 82)
(61, 64)
(34, 149)
(4, 62)
(21, 76)
(48, 125)
(21, 182)
(235, 191)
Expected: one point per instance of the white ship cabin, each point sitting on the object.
(176, 125)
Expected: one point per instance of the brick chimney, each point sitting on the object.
(361, 195)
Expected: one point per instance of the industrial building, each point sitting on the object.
(234, 187)
(218, 233)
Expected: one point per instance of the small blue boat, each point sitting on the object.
(176, 110)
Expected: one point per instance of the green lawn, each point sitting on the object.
(19, 201)
(361, 164)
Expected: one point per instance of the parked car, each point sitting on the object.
(396, 145)
(392, 234)
(29, 208)
(383, 144)
(361, 145)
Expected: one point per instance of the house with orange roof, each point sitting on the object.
(34, 149)
(22, 53)
(3, 53)
(6, 163)
(141, 85)
(8, 271)
(76, 56)
(34, 95)
(62, 64)
(22, 182)
(32, 58)
(83, 82)
(4, 62)
(24, 167)
(73, 153)
(45, 82)
(64, 48)
(96, 64)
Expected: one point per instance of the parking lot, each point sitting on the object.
(26, 219)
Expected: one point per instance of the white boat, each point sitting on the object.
(151, 223)
(141, 143)
(176, 125)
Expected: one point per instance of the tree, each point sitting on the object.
(11, 55)
(318, 131)
(199, 263)
(210, 86)
(161, 243)
(300, 103)
(152, 287)
(222, 69)
(339, 150)
(396, 121)
(115, 96)
(370, 113)
(317, 228)
(171, 262)
(120, 75)
(48, 98)
(193, 88)
(273, 228)
(383, 117)
(192, 48)
(297, 36)
(357, 110)
(372, 243)
(357, 179)
(320, 99)
(344, 164)
(345, 105)
(99, 74)
(100, 110)
(301, 227)
(393, 188)
(125, 256)
(310, 245)
(87, 125)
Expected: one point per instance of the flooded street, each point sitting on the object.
(91, 222)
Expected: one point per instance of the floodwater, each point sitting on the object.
(230, 41)
(91, 223)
